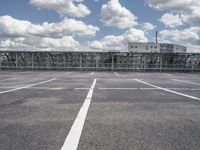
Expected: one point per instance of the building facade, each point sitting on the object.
(155, 48)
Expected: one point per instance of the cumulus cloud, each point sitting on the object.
(190, 9)
(13, 43)
(35, 43)
(62, 43)
(148, 26)
(73, 8)
(191, 35)
(16, 33)
(178, 5)
(114, 15)
(10, 27)
(119, 43)
(171, 20)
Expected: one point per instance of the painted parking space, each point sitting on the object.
(99, 110)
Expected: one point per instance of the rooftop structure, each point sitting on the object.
(155, 48)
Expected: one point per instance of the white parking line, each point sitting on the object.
(184, 89)
(92, 73)
(68, 73)
(22, 72)
(81, 88)
(8, 79)
(167, 90)
(36, 88)
(127, 88)
(186, 82)
(72, 140)
(116, 73)
(27, 86)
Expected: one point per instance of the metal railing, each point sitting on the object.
(100, 66)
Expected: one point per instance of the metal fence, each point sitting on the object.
(99, 61)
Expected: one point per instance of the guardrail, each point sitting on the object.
(104, 67)
(105, 61)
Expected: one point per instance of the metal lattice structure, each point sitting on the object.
(99, 61)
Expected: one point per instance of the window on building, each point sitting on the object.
(135, 46)
(155, 47)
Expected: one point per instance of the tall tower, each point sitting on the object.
(156, 36)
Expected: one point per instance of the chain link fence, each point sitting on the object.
(139, 62)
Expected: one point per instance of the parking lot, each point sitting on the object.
(52, 110)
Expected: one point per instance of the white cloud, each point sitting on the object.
(148, 26)
(190, 9)
(13, 43)
(178, 5)
(119, 43)
(35, 43)
(10, 27)
(70, 27)
(114, 15)
(72, 8)
(190, 35)
(16, 33)
(171, 20)
(65, 42)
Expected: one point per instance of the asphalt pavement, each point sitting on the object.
(54, 110)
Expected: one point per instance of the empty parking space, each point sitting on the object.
(141, 118)
(99, 110)
(40, 114)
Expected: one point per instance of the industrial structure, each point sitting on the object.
(120, 61)
(155, 48)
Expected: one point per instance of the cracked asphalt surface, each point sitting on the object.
(124, 114)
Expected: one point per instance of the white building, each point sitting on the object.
(155, 48)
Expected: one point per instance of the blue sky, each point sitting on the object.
(97, 24)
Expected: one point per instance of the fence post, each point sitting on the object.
(160, 62)
(1, 61)
(96, 61)
(112, 68)
(16, 63)
(48, 65)
(32, 63)
(80, 61)
(145, 57)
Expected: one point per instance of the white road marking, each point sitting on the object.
(147, 89)
(167, 74)
(8, 79)
(184, 89)
(22, 72)
(81, 88)
(68, 73)
(126, 88)
(186, 82)
(167, 90)
(37, 88)
(72, 140)
(92, 73)
(27, 86)
(116, 73)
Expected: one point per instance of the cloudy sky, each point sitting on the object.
(97, 24)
